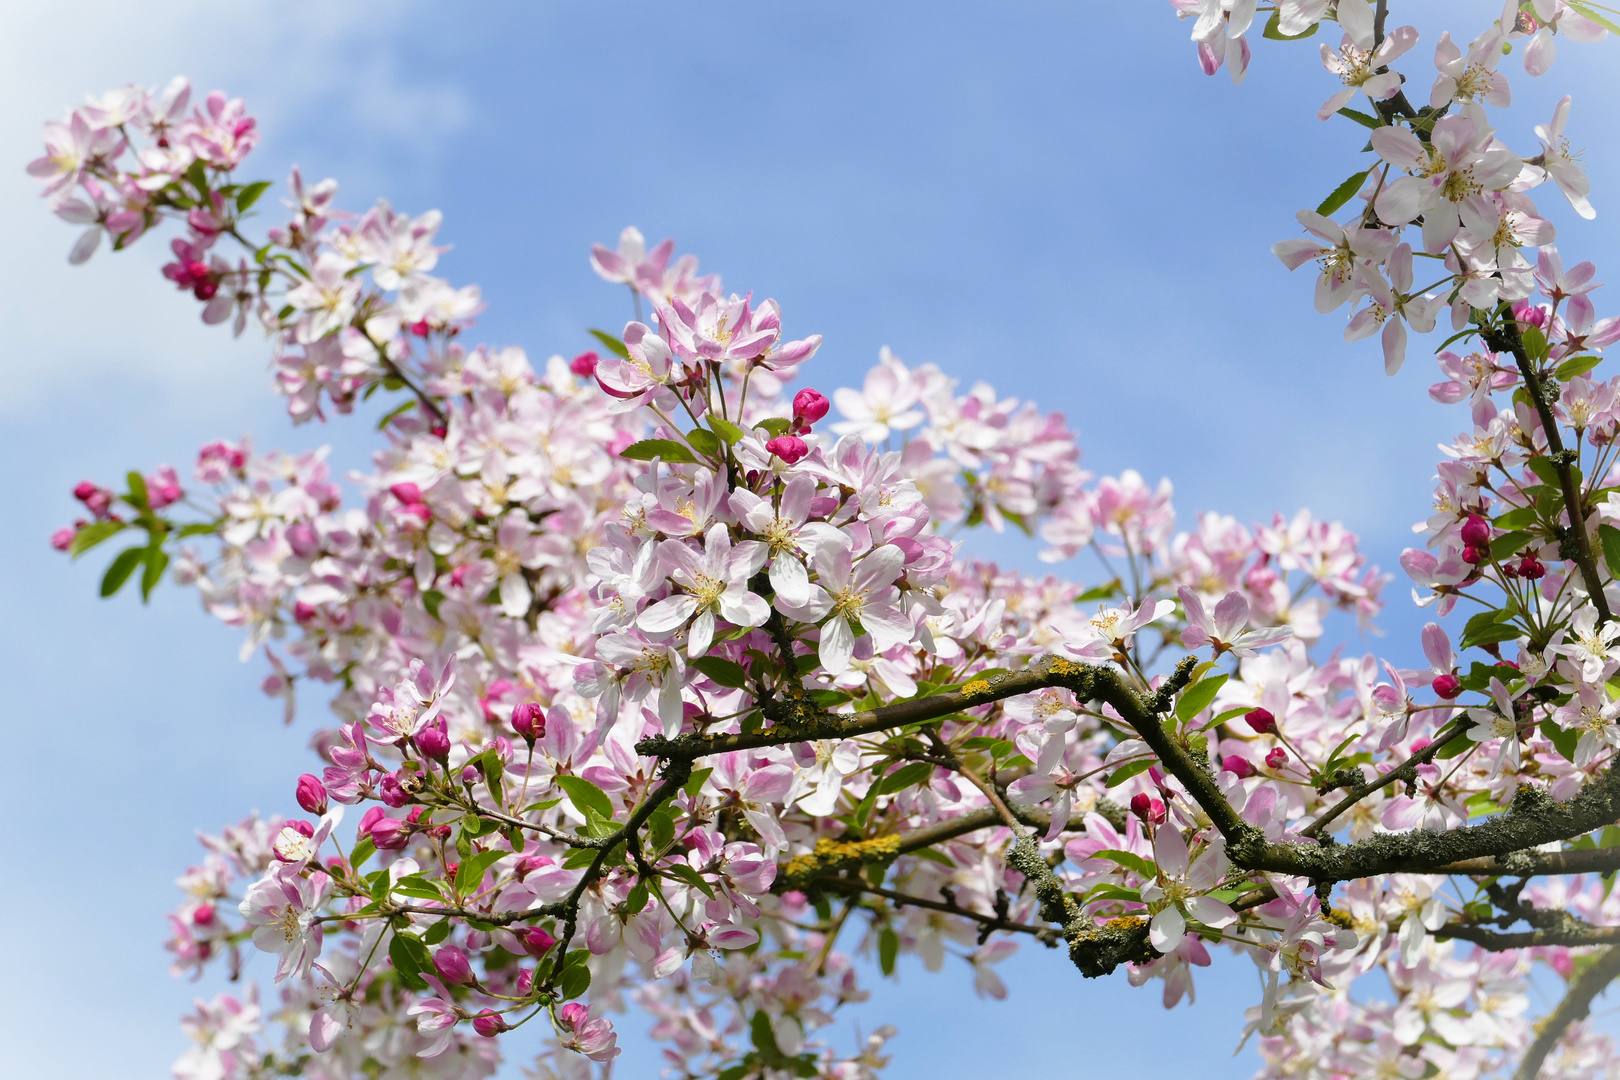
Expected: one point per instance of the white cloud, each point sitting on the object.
(331, 64)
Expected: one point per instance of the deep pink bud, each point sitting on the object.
(421, 328)
(390, 834)
(421, 511)
(205, 290)
(1277, 758)
(525, 982)
(406, 493)
(452, 966)
(197, 270)
(1148, 808)
(1232, 763)
(369, 819)
(62, 539)
(311, 794)
(790, 448)
(1261, 721)
(391, 791)
(434, 740)
(488, 1024)
(1447, 686)
(1476, 531)
(304, 613)
(529, 721)
(203, 916)
(1532, 568)
(809, 406)
(83, 490)
(584, 365)
(536, 941)
(1473, 556)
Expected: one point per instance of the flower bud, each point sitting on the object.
(1476, 531)
(203, 916)
(1447, 686)
(452, 965)
(406, 492)
(1261, 721)
(536, 941)
(84, 490)
(1532, 568)
(390, 834)
(790, 448)
(370, 818)
(1473, 556)
(584, 365)
(311, 794)
(525, 982)
(62, 539)
(1240, 766)
(529, 721)
(1277, 758)
(1147, 808)
(391, 791)
(434, 740)
(530, 863)
(808, 407)
(488, 1024)
(205, 290)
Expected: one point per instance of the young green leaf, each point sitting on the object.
(250, 195)
(1343, 193)
(667, 449)
(91, 535)
(586, 796)
(120, 570)
(611, 344)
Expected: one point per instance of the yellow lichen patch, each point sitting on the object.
(1065, 667)
(835, 856)
(976, 687)
(1126, 922)
(1339, 917)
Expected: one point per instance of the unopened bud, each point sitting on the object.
(584, 365)
(1473, 556)
(1240, 766)
(406, 492)
(1277, 758)
(1532, 568)
(311, 794)
(790, 448)
(390, 834)
(1447, 686)
(453, 966)
(1476, 531)
(536, 941)
(203, 916)
(488, 1024)
(1148, 808)
(434, 740)
(1261, 721)
(529, 721)
(809, 406)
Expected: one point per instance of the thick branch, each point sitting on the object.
(1539, 863)
(1574, 1008)
(1406, 770)
(1497, 941)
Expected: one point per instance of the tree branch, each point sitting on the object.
(1576, 1005)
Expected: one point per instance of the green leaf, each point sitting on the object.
(1458, 336)
(1610, 538)
(198, 528)
(157, 561)
(1273, 30)
(704, 441)
(123, 566)
(431, 601)
(362, 850)
(1129, 860)
(410, 958)
(694, 784)
(1507, 543)
(1576, 365)
(775, 425)
(668, 449)
(905, 776)
(198, 175)
(1591, 13)
(91, 535)
(1522, 518)
(726, 430)
(1125, 772)
(1362, 118)
(137, 492)
(575, 977)
(764, 1039)
(723, 671)
(1535, 342)
(1224, 716)
(637, 899)
(388, 417)
(1197, 697)
(611, 344)
(660, 830)
(437, 932)
(587, 796)
(471, 872)
(1565, 741)
(250, 195)
(1344, 192)
(888, 949)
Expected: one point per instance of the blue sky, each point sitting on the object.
(1050, 197)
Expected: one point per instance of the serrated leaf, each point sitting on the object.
(410, 958)
(1521, 518)
(1535, 342)
(726, 429)
(437, 932)
(775, 425)
(723, 671)
(704, 441)
(1587, 10)
(250, 195)
(120, 570)
(471, 872)
(1197, 697)
(667, 449)
(91, 535)
(1362, 118)
(913, 773)
(1129, 860)
(1125, 772)
(587, 796)
(611, 344)
(694, 783)
(1343, 193)
(1576, 365)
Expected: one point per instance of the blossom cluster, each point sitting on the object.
(658, 681)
